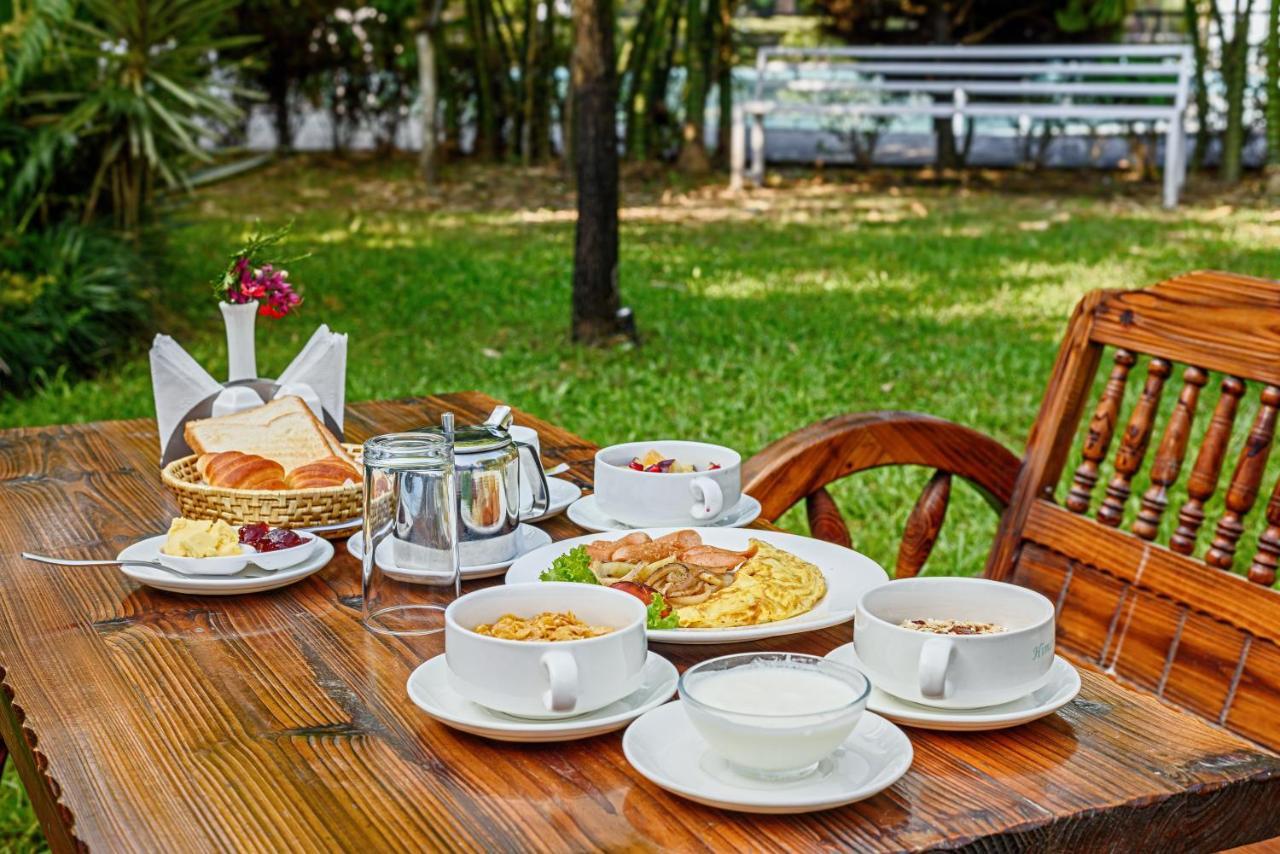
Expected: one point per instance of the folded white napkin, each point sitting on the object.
(178, 383)
(318, 374)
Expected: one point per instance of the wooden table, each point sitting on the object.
(149, 721)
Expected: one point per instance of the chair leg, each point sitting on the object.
(1172, 171)
(737, 150)
(757, 148)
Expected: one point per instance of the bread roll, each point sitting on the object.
(330, 471)
(235, 470)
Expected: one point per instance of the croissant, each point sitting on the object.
(235, 470)
(330, 471)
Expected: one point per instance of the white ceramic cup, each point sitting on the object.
(955, 671)
(546, 679)
(644, 499)
(526, 436)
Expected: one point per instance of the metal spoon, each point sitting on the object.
(57, 561)
(556, 469)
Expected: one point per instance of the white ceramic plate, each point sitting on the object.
(563, 494)
(429, 688)
(586, 513)
(848, 574)
(252, 580)
(530, 538)
(666, 750)
(1062, 687)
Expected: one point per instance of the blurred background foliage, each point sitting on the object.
(110, 109)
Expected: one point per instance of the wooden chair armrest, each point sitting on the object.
(802, 463)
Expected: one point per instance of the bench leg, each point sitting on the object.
(757, 149)
(1172, 164)
(737, 150)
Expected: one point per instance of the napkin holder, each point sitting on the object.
(264, 391)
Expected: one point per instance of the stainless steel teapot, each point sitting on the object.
(489, 466)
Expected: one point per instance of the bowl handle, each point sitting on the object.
(935, 659)
(562, 673)
(708, 500)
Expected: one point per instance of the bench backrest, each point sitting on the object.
(1080, 75)
(1139, 558)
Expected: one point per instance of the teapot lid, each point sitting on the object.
(474, 440)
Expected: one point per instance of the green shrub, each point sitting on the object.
(68, 298)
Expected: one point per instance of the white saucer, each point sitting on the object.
(429, 688)
(563, 494)
(1062, 687)
(530, 538)
(251, 580)
(585, 513)
(665, 748)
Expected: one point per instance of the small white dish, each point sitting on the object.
(1062, 687)
(281, 558)
(221, 565)
(848, 575)
(530, 538)
(560, 494)
(662, 499)
(586, 513)
(665, 749)
(250, 580)
(429, 687)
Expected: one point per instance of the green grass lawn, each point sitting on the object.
(759, 313)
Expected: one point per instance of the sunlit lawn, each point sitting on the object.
(759, 314)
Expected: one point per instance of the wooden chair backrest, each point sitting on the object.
(1168, 618)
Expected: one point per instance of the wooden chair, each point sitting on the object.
(1154, 615)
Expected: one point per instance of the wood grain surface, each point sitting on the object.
(147, 721)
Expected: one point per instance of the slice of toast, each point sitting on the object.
(283, 430)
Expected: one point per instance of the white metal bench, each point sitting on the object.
(1122, 84)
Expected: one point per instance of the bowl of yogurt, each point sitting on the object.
(774, 715)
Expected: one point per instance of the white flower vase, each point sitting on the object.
(242, 360)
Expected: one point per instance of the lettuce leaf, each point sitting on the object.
(573, 566)
(655, 618)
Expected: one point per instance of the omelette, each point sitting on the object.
(773, 585)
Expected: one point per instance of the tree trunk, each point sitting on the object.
(279, 95)
(544, 84)
(724, 69)
(1273, 89)
(424, 41)
(486, 145)
(596, 302)
(647, 31)
(693, 150)
(1235, 71)
(1191, 17)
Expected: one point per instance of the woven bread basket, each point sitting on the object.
(279, 508)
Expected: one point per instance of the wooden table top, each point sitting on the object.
(150, 721)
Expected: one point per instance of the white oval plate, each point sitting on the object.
(848, 574)
(252, 580)
(1062, 687)
(531, 538)
(429, 688)
(666, 750)
(586, 513)
(563, 494)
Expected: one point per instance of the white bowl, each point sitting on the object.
(644, 499)
(281, 558)
(222, 565)
(546, 679)
(774, 727)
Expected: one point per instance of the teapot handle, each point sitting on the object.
(531, 467)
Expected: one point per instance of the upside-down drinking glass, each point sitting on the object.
(409, 566)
